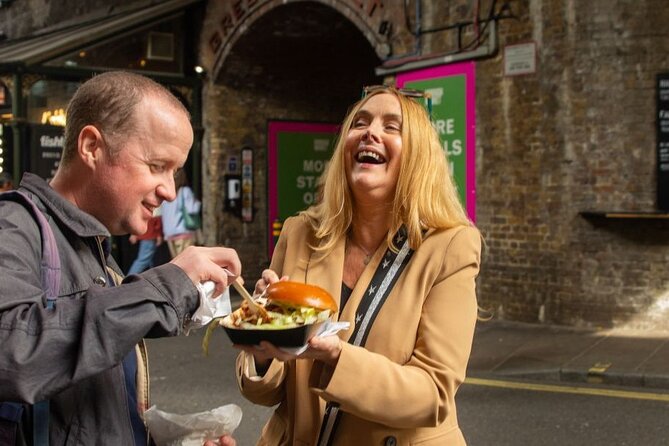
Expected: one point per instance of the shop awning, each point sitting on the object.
(38, 49)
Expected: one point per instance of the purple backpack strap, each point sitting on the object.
(50, 263)
(50, 270)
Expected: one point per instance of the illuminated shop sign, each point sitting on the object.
(54, 117)
(46, 147)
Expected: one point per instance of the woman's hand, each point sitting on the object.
(263, 355)
(268, 277)
(326, 349)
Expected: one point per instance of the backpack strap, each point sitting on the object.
(50, 263)
(50, 272)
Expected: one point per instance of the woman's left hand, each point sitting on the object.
(326, 349)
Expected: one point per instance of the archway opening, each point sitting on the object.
(303, 61)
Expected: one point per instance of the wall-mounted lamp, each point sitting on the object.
(198, 69)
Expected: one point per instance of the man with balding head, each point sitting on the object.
(125, 138)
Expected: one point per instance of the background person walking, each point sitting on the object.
(175, 230)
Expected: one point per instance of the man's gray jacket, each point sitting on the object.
(72, 355)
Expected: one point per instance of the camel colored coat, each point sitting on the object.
(400, 388)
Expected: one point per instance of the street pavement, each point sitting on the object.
(515, 350)
(184, 381)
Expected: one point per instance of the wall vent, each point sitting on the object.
(161, 46)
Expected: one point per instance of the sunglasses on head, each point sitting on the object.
(408, 92)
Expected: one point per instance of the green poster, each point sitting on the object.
(298, 153)
(453, 107)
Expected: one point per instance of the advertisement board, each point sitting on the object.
(297, 155)
(46, 147)
(454, 116)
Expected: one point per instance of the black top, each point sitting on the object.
(345, 294)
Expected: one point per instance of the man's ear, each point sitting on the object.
(90, 146)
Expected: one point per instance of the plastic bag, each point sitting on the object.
(169, 429)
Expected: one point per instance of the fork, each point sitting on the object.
(253, 305)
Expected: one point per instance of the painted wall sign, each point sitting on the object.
(297, 155)
(453, 115)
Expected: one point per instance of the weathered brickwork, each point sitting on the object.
(577, 135)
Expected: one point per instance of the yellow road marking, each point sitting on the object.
(568, 389)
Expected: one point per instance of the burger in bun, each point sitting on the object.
(288, 304)
(293, 314)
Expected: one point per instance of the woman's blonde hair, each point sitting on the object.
(425, 196)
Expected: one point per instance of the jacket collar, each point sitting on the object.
(78, 221)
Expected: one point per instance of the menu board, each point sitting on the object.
(298, 153)
(46, 147)
(663, 141)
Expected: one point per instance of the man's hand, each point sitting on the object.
(132, 239)
(202, 264)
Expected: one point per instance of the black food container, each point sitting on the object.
(287, 337)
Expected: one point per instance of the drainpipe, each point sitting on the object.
(196, 118)
(416, 63)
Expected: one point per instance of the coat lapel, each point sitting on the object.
(327, 273)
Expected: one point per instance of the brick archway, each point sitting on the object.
(228, 27)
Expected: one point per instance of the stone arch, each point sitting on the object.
(345, 8)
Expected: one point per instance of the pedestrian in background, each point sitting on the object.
(175, 231)
(125, 138)
(392, 243)
(148, 243)
(6, 182)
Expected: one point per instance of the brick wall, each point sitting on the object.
(577, 135)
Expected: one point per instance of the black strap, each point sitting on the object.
(385, 277)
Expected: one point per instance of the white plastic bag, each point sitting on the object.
(169, 429)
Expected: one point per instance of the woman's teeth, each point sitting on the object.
(366, 156)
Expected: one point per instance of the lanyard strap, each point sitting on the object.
(379, 288)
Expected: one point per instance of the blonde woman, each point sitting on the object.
(392, 243)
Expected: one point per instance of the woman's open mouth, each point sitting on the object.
(369, 157)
